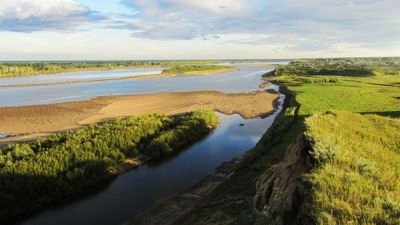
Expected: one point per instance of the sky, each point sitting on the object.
(197, 29)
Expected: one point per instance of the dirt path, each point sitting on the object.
(40, 120)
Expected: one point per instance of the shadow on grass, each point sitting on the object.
(386, 85)
(387, 113)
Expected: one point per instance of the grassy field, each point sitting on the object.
(355, 176)
(318, 94)
(357, 169)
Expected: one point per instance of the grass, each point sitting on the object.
(354, 178)
(355, 94)
(357, 169)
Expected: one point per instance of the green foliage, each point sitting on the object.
(32, 174)
(357, 169)
(196, 68)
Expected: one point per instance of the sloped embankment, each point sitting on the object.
(345, 170)
(279, 190)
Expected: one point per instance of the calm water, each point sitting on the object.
(129, 194)
(79, 76)
(247, 79)
(119, 200)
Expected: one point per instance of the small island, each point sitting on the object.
(198, 69)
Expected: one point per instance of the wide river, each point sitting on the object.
(247, 79)
(119, 200)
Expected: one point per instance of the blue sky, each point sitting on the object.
(197, 29)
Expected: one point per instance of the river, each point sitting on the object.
(120, 199)
(245, 80)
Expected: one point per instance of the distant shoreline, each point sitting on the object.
(79, 70)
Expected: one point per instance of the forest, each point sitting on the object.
(36, 173)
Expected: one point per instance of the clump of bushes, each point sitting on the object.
(32, 174)
(182, 69)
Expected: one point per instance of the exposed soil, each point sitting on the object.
(40, 120)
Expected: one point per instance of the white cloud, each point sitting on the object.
(217, 28)
(223, 7)
(35, 15)
(45, 9)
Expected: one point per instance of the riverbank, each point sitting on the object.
(226, 196)
(69, 70)
(41, 120)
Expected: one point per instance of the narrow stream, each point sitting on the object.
(121, 199)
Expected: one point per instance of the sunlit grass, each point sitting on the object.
(357, 172)
(377, 94)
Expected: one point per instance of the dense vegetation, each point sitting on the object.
(197, 69)
(357, 169)
(33, 174)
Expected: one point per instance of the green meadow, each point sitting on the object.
(356, 171)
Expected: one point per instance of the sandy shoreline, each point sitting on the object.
(41, 120)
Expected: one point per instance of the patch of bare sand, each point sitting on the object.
(40, 120)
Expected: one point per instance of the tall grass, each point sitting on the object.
(356, 169)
